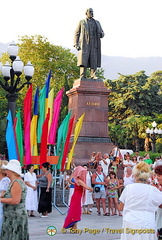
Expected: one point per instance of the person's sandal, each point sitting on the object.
(106, 214)
(99, 213)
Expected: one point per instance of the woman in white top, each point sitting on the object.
(139, 202)
(134, 160)
(31, 197)
(127, 163)
(88, 195)
(128, 177)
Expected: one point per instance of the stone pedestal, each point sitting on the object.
(90, 96)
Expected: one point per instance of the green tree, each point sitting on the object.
(45, 56)
(156, 78)
(133, 95)
(135, 126)
(134, 101)
(118, 135)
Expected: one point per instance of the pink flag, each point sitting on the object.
(55, 118)
(27, 119)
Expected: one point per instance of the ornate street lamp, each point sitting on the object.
(154, 133)
(11, 74)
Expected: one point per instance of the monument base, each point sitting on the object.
(90, 96)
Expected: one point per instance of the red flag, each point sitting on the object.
(27, 119)
(43, 147)
(66, 147)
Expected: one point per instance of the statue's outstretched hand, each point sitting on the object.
(77, 47)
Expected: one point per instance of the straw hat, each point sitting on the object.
(14, 166)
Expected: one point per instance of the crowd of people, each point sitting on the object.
(128, 186)
(131, 180)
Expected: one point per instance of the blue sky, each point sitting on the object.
(133, 28)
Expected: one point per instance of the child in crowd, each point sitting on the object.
(91, 161)
(134, 160)
(113, 186)
(114, 166)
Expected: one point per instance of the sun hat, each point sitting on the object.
(14, 166)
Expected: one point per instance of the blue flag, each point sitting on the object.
(10, 139)
(48, 83)
(36, 102)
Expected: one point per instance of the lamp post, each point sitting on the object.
(11, 74)
(153, 133)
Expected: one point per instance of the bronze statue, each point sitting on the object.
(87, 42)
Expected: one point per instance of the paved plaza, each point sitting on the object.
(90, 227)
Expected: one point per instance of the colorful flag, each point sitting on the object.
(10, 139)
(76, 134)
(43, 147)
(27, 120)
(66, 147)
(56, 113)
(19, 136)
(50, 106)
(47, 84)
(41, 113)
(14, 126)
(62, 134)
(33, 127)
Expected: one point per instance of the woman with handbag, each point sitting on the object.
(99, 180)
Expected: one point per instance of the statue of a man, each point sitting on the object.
(87, 42)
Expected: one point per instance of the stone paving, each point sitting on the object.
(90, 227)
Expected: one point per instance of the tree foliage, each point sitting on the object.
(133, 95)
(45, 56)
(134, 102)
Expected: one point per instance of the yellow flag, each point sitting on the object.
(76, 134)
(50, 106)
(33, 136)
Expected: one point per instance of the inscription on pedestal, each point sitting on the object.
(92, 139)
(93, 104)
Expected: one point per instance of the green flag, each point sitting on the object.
(19, 136)
(61, 138)
(41, 112)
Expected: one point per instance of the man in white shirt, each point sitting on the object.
(105, 162)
